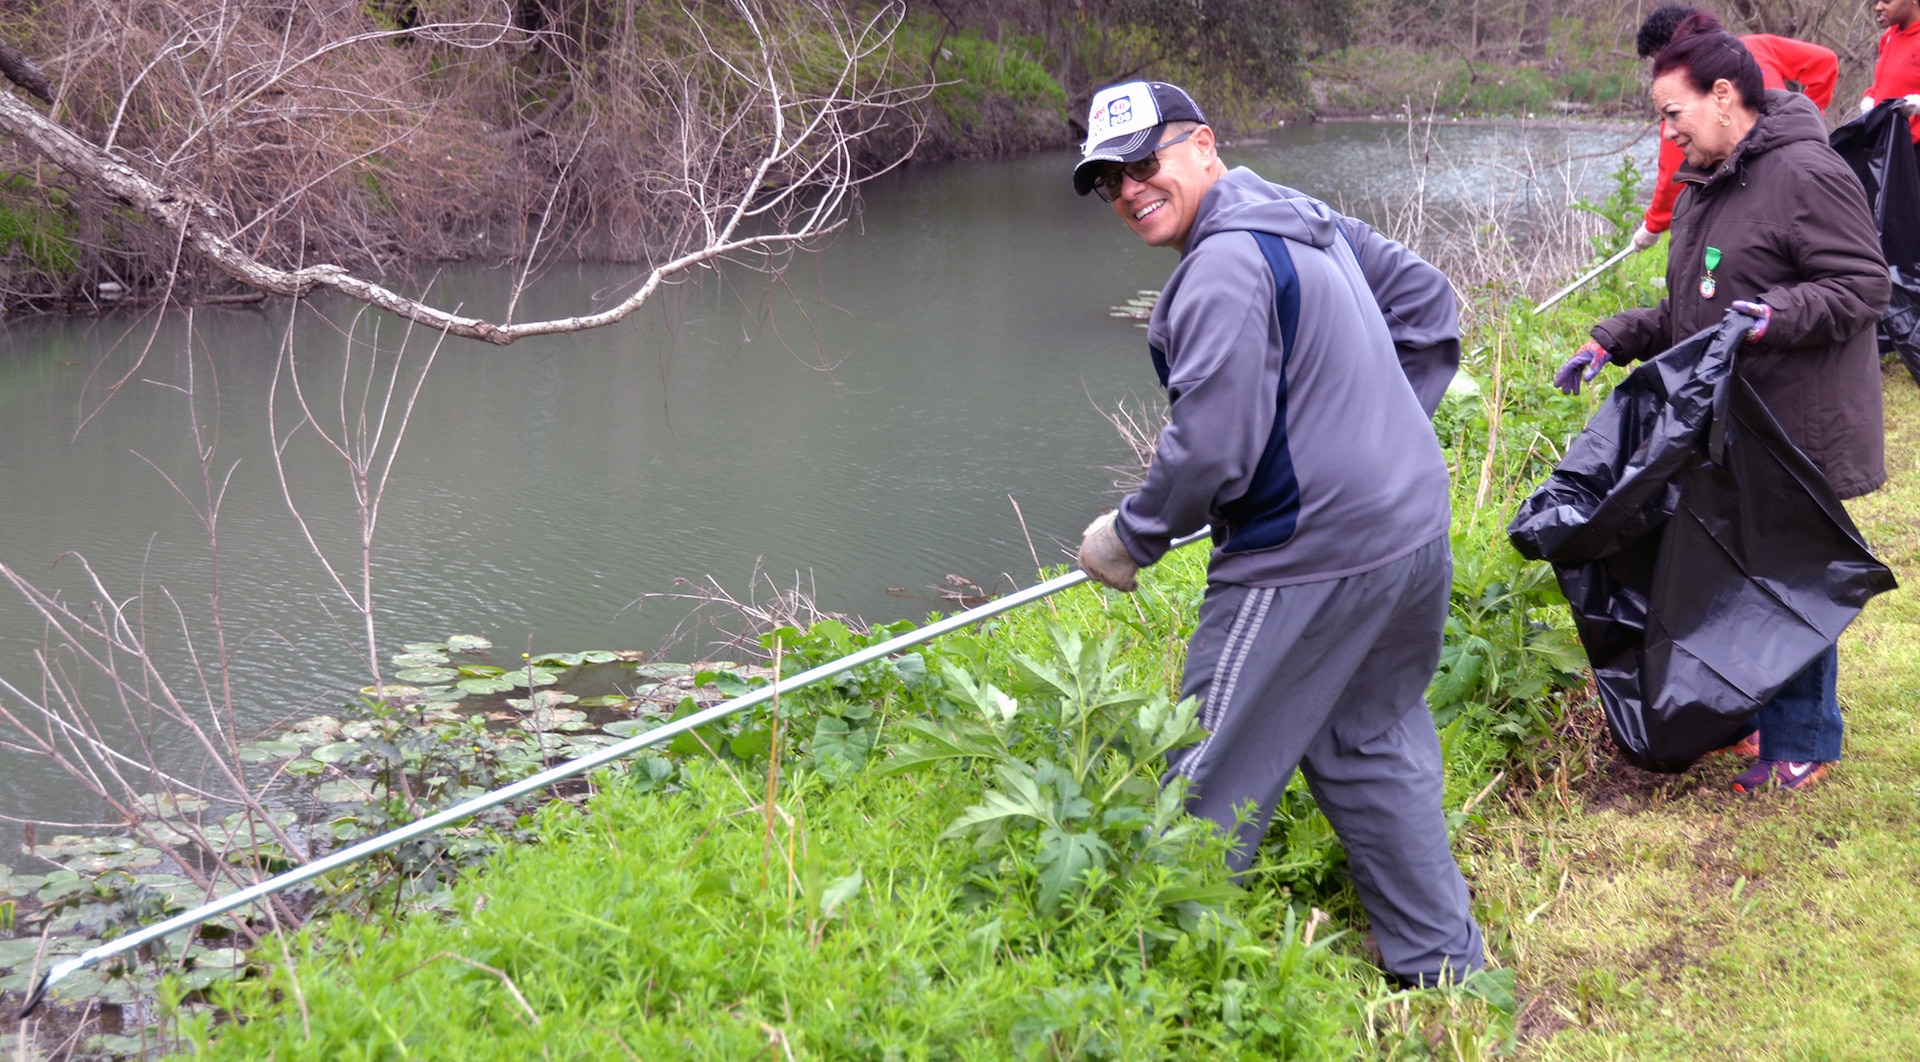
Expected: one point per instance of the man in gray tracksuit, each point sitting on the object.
(1302, 354)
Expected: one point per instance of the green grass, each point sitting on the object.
(1693, 923)
(685, 924)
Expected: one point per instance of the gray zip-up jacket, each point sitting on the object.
(1294, 424)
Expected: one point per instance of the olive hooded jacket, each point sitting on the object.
(1791, 224)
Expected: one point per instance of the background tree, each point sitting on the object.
(306, 144)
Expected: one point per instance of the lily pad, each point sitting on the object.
(554, 719)
(425, 647)
(344, 791)
(315, 731)
(18, 952)
(627, 728)
(306, 768)
(269, 751)
(338, 752)
(358, 730)
(67, 845)
(542, 699)
(392, 691)
(663, 671)
(556, 660)
(427, 675)
(96, 862)
(611, 700)
(483, 685)
(419, 660)
(439, 694)
(467, 643)
(230, 960)
(531, 676)
(21, 886)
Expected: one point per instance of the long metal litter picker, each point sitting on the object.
(1589, 275)
(67, 967)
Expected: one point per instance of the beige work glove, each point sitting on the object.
(1105, 558)
(1642, 239)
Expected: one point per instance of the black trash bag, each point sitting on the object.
(1705, 558)
(1900, 328)
(1879, 146)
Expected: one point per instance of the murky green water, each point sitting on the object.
(864, 427)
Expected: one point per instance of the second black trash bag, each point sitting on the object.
(1705, 558)
(1879, 147)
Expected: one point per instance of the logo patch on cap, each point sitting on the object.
(1119, 111)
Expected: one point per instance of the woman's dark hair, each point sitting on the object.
(1705, 53)
(1657, 31)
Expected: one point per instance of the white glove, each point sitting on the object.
(1866, 104)
(1104, 557)
(1642, 239)
(1910, 105)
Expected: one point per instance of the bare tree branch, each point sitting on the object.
(769, 147)
(21, 71)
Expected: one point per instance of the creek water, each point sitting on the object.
(863, 429)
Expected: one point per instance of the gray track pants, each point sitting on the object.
(1330, 677)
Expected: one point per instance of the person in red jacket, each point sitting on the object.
(1896, 75)
(1781, 59)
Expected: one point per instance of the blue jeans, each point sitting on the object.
(1802, 722)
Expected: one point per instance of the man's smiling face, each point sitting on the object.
(1161, 209)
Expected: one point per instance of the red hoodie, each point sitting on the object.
(1898, 71)
(1781, 59)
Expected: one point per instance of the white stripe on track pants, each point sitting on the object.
(1330, 677)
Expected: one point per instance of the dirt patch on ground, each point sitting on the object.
(1579, 759)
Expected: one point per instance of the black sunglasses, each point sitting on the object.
(1107, 185)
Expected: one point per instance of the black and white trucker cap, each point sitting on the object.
(1123, 124)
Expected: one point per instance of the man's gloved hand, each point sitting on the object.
(1758, 310)
(1866, 104)
(1104, 557)
(1642, 239)
(1910, 104)
(1592, 357)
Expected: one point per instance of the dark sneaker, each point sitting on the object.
(1747, 748)
(1779, 774)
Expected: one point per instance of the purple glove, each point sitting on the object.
(1592, 357)
(1759, 310)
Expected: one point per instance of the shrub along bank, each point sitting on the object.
(966, 853)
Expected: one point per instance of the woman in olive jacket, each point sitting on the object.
(1772, 224)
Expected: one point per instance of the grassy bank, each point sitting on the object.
(1665, 918)
(966, 854)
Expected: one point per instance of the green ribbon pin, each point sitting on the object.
(1713, 259)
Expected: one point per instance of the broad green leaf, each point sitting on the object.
(1063, 858)
(839, 891)
(467, 643)
(752, 744)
